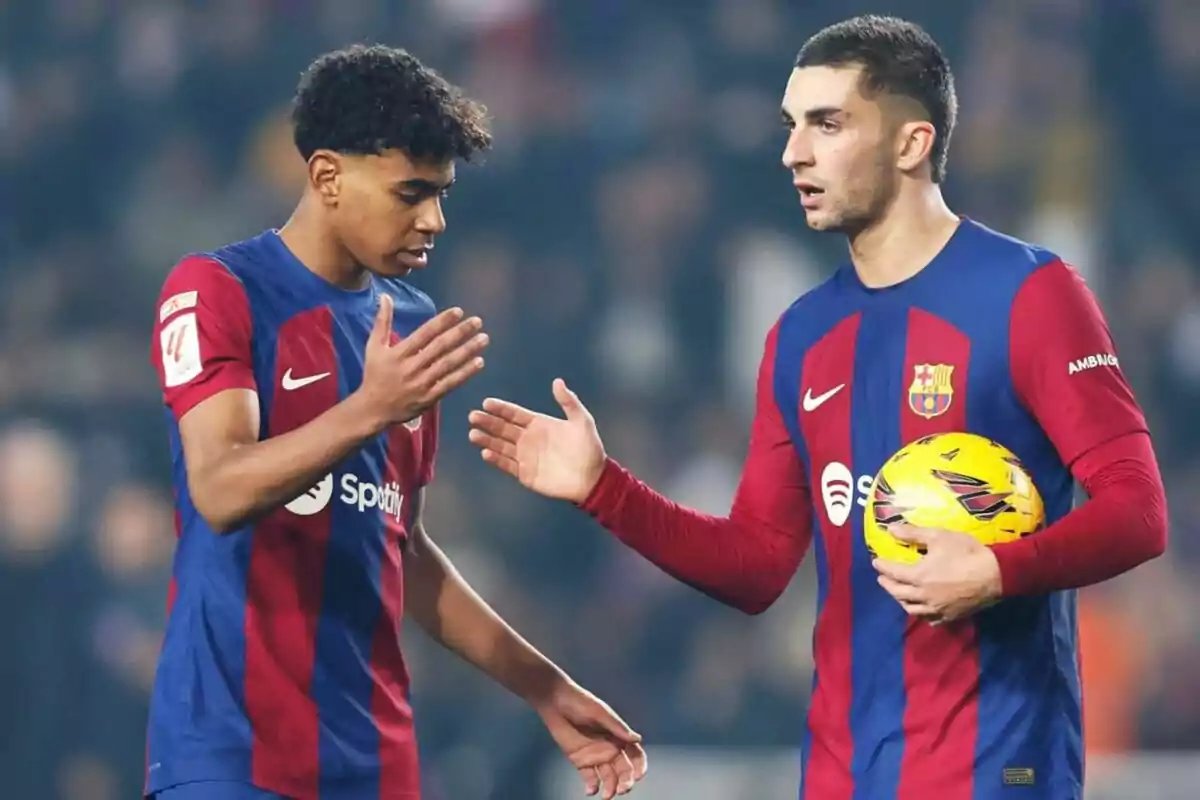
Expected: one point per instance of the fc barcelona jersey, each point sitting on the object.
(998, 338)
(281, 664)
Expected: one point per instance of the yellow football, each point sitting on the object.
(954, 481)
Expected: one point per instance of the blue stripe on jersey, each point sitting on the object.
(342, 687)
(1030, 726)
(877, 639)
(210, 610)
(787, 398)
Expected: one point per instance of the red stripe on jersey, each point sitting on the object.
(941, 664)
(828, 370)
(286, 576)
(173, 588)
(398, 764)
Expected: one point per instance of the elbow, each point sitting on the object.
(214, 507)
(1157, 525)
(1147, 526)
(767, 583)
(756, 606)
(1153, 520)
(758, 598)
(219, 520)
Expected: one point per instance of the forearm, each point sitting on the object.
(1123, 525)
(249, 480)
(742, 562)
(442, 603)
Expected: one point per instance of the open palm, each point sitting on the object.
(555, 457)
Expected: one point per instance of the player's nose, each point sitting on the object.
(796, 152)
(432, 220)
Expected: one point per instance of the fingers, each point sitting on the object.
(911, 534)
(903, 592)
(923, 611)
(624, 770)
(611, 770)
(617, 727)
(609, 780)
(459, 375)
(639, 760)
(568, 400)
(381, 332)
(422, 336)
(485, 441)
(509, 465)
(897, 572)
(911, 598)
(495, 427)
(591, 780)
(509, 412)
(447, 344)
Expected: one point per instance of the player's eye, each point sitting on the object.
(828, 126)
(410, 199)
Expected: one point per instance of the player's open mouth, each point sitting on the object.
(810, 194)
(416, 258)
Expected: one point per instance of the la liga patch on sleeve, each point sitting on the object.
(180, 342)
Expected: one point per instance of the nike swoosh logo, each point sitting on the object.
(811, 403)
(291, 384)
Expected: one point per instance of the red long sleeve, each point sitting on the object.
(1123, 524)
(745, 560)
(1066, 372)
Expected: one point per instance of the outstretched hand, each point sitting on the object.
(556, 457)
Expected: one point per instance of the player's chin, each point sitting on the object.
(821, 221)
(400, 264)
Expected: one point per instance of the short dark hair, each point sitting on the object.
(898, 58)
(365, 100)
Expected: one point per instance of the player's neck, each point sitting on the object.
(915, 229)
(319, 252)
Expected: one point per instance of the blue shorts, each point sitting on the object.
(215, 790)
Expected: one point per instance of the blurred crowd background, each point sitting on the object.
(633, 232)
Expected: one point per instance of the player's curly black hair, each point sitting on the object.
(364, 100)
(898, 58)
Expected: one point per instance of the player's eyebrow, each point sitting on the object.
(823, 112)
(424, 186)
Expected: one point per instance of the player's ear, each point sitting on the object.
(914, 144)
(324, 174)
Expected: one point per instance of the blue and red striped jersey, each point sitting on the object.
(995, 337)
(281, 664)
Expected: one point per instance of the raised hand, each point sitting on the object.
(560, 458)
(401, 381)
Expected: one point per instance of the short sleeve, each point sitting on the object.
(202, 335)
(1064, 363)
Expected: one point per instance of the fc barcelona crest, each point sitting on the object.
(931, 391)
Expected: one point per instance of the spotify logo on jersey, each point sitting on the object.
(315, 499)
(387, 498)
